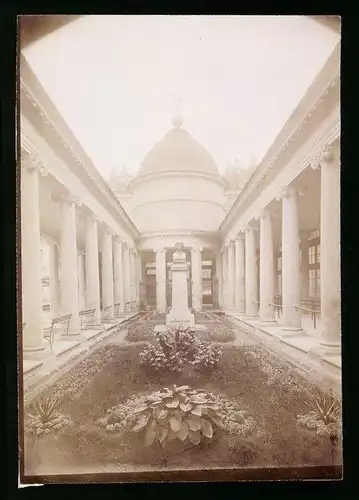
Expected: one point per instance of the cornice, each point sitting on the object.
(173, 200)
(202, 234)
(290, 132)
(85, 166)
(176, 173)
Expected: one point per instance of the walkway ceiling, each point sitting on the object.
(332, 22)
(32, 28)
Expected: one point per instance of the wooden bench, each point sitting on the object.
(87, 318)
(127, 307)
(107, 315)
(117, 308)
(58, 325)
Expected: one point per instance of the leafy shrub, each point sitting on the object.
(179, 348)
(324, 416)
(218, 332)
(141, 330)
(45, 418)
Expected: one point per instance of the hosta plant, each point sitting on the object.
(45, 417)
(177, 413)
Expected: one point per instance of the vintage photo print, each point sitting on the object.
(179, 271)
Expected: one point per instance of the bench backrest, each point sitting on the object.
(87, 312)
(65, 318)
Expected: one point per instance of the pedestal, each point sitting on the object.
(179, 315)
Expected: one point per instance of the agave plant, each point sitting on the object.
(45, 417)
(177, 413)
(326, 408)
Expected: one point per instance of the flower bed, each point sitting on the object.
(259, 397)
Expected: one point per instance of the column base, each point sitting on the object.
(329, 348)
(36, 352)
(291, 328)
(70, 335)
(267, 322)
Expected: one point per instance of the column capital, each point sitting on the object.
(29, 162)
(265, 213)
(250, 227)
(197, 249)
(159, 250)
(68, 198)
(93, 217)
(327, 156)
(50, 240)
(291, 191)
(118, 239)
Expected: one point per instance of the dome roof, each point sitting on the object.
(178, 151)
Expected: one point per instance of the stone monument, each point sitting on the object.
(179, 313)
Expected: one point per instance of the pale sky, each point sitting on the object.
(113, 79)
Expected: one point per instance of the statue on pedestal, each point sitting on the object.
(179, 314)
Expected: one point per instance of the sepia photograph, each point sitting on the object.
(179, 263)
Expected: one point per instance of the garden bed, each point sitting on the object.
(270, 392)
(216, 330)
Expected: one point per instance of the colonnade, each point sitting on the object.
(239, 280)
(74, 276)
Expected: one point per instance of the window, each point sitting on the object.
(318, 254)
(312, 283)
(314, 265)
(318, 283)
(206, 273)
(312, 255)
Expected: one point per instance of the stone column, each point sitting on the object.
(139, 279)
(196, 258)
(291, 277)
(133, 274)
(219, 273)
(107, 271)
(330, 279)
(119, 275)
(31, 287)
(225, 276)
(240, 273)
(81, 280)
(54, 278)
(231, 276)
(68, 258)
(126, 270)
(266, 268)
(161, 280)
(92, 267)
(251, 295)
(304, 265)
